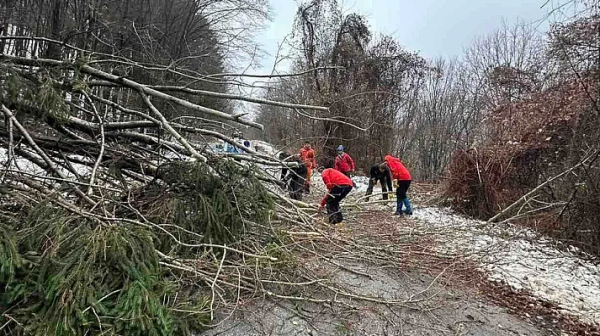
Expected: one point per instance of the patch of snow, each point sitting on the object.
(362, 183)
(521, 258)
(263, 147)
(20, 164)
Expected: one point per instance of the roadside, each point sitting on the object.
(433, 301)
(435, 290)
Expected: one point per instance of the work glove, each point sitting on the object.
(395, 184)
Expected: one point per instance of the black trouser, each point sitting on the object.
(336, 195)
(403, 186)
(284, 172)
(373, 181)
(296, 187)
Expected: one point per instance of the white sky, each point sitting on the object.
(432, 27)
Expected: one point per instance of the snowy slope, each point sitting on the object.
(521, 258)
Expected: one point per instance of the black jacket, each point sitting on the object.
(384, 176)
(296, 176)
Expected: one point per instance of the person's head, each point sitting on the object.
(246, 143)
(382, 167)
(307, 146)
(340, 150)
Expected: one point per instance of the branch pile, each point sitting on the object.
(109, 207)
(117, 217)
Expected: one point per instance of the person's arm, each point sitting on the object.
(388, 171)
(350, 162)
(373, 172)
(324, 200)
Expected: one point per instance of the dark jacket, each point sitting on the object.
(384, 176)
(296, 178)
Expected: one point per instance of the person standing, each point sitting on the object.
(338, 186)
(343, 162)
(403, 178)
(380, 173)
(307, 155)
(296, 178)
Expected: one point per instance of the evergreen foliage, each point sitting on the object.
(67, 274)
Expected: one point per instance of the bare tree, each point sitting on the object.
(367, 82)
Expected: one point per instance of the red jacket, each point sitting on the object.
(333, 178)
(344, 163)
(308, 157)
(399, 172)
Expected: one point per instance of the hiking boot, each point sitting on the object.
(399, 213)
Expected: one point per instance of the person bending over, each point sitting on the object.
(380, 173)
(403, 178)
(338, 186)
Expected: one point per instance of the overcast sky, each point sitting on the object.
(432, 27)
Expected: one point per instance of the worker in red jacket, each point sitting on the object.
(402, 180)
(343, 162)
(338, 186)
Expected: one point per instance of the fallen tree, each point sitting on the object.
(117, 219)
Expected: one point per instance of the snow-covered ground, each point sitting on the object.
(24, 165)
(362, 183)
(521, 258)
(263, 147)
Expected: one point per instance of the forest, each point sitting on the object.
(517, 113)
